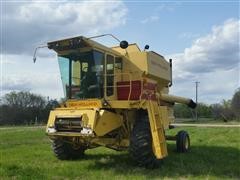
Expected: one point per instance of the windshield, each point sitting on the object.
(82, 74)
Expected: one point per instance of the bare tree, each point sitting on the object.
(22, 107)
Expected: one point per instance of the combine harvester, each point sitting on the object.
(117, 98)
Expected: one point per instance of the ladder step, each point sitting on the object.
(157, 130)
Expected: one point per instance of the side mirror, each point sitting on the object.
(124, 44)
(35, 52)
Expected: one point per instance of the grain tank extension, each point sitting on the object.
(115, 97)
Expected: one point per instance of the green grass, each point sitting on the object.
(25, 153)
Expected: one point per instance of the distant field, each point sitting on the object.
(25, 154)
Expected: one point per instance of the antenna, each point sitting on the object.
(123, 44)
(114, 37)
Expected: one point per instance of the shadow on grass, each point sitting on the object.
(203, 161)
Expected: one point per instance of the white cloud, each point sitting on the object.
(21, 74)
(213, 60)
(5, 61)
(40, 83)
(107, 13)
(156, 12)
(27, 24)
(150, 19)
(213, 87)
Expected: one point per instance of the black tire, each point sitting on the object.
(183, 142)
(141, 143)
(65, 151)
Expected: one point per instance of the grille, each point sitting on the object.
(68, 124)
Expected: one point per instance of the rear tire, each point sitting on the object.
(65, 151)
(183, 142)
(140, 148)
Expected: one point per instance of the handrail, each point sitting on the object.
(120, 74)
(130, 85)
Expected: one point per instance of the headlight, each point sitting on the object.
(51, 130)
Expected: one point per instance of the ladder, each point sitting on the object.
(157, 130)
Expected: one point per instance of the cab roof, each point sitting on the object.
(78, 42)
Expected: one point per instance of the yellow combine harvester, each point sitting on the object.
(116, 97)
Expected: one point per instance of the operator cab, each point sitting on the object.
(82, 74)
(87, 72)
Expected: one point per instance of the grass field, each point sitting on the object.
(25, 153)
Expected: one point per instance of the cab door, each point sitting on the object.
(109, 72)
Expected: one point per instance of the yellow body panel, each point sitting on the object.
(164, 116)
(157, 66)
(106, 122)
(131, 48)
(148, 62)
(156, 123)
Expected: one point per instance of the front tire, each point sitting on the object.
(183, 142)
(140, 148)
(65, 151)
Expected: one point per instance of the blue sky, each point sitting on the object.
(202, 38)
(173, 21)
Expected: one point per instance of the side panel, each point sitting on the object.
(107, 122)
(163, 110)
(139, 59)
(158, 66)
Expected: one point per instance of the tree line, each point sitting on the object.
(25, 108)
(226, 110)
(28, 108)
